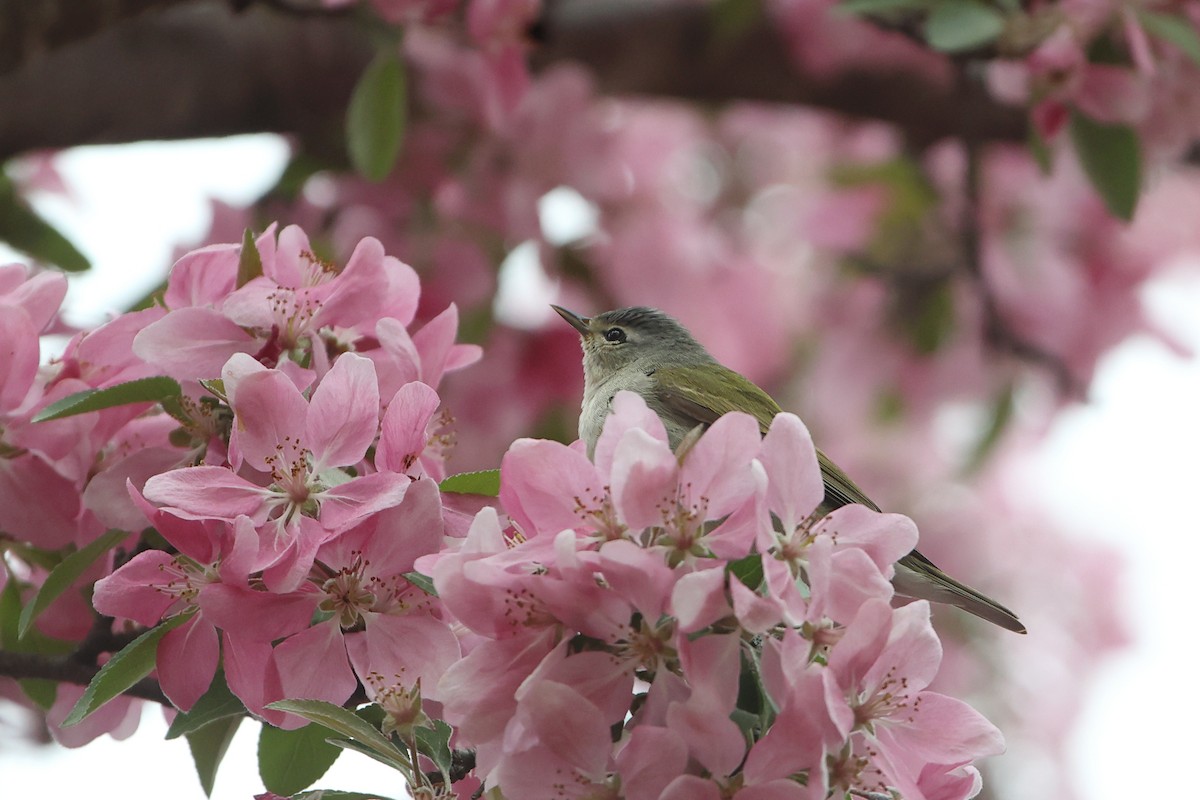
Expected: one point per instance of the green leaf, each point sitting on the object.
(216, 386)
(1176, 30)
(208, 746)
(1111, 157)
(435, 743)
(143, 390)
(1002, 411)
(864, 7)
(65, 574)
(1043, 156)
(296, 174)
(362, 749)
(25, 230)
(375, 118)
(748, 570)
(215, 704)
(346, 723)
(250, 264)
(931, 322)
(289, 761)
(123, 670)
(37, 556)
(484, 482)
(41, 691)
(150, 299)
(10, 610)
(422, 582)
(732, 19)
(957, 25)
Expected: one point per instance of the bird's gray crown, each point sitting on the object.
(645, 320)
(655, 339)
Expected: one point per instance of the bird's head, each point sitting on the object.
(640, 337)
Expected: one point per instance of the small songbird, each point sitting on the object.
(645, 351)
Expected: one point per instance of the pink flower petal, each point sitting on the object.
(251, 674)
(547, 487)
(644, 478)
(39, 295)
(884, 537)
(254, 616)
(19, 356)
(718, 468)
(478, 690)
(359, 291)
(394, 537)
(650, 760)
(691, 787)
(945, 730)
(269, 417)
(698, 599)
(192, 343)
(133, 591)
(434, 342)
(405, 649)
(405, 429)
(187, 661)
(203, 277)
(207, 492)
(343, 416)
(346, 504)
(629, 411)
(313, 666)
(569, 725)
(403, 360)
(638, 575)
(795, 488)
(756, 613)
(712, 737)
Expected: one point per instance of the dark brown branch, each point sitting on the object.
(66, 669)
(30, 29)
(197, 68)
(674, 50)
(191, 71)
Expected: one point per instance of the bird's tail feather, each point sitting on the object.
(918, 577)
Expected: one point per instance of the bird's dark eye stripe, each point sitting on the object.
(615, 335)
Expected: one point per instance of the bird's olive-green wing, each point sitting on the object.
(839, 489)
(703, 395)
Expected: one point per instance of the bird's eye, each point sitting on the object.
(614, 335)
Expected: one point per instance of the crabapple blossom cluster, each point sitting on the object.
(650, 593)
(648, 625)
(304, 413)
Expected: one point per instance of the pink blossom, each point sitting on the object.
(293, 442)
(883, 663)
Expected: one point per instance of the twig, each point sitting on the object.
(996, 330)
(66, 669)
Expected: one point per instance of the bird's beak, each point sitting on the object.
(577, 322)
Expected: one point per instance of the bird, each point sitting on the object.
(645, 350)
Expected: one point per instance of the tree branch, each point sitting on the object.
(66, 669)
(193, 70)
(677, 50)
(31, 29)
(196, 68)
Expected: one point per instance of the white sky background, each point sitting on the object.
(1123, 466)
